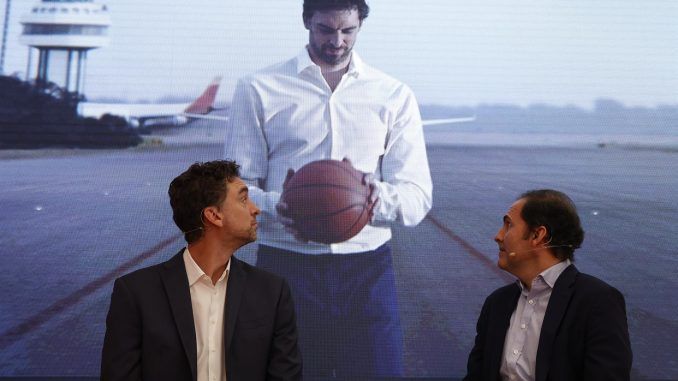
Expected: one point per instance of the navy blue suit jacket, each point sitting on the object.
(584, 335)
(150, 333)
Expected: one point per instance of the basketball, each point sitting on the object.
(328, 201)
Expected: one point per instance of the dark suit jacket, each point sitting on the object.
(584, 335)
(150, 333)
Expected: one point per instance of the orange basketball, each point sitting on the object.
(328, 201)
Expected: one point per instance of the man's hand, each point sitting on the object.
(284, 215)
(373, 198)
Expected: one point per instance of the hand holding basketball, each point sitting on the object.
(284, 216)
(328, 201)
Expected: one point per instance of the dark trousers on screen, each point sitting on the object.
(347, 311)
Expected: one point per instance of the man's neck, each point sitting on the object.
(526, 277)
(331, 72)
(334, 77)
(211, 257)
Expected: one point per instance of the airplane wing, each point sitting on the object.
(207, 117)
(426, 122)
(145, 115)
(434, 122)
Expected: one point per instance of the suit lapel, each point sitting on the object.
(234, 291)
(560, 299)
(498, 329)
(175, 281)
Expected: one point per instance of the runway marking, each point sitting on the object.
(472, 250)
(12, 335)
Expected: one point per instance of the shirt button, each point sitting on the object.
(515, 351)
(531, 301)
(521, 326)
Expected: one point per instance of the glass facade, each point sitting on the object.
(75, 30)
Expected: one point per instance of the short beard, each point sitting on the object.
(331, 60)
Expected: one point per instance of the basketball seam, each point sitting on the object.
(365, 208)
(324, 185)
(331, 214)
(338, 165)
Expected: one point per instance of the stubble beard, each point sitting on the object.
(330, 59)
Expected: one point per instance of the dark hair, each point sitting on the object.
(557, 213)
(200, 186)
(312, 6)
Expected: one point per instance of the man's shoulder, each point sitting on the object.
(591, 285)
(283, 68)
(143, 275)
(372, 73)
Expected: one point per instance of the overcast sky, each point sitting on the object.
(450, 52)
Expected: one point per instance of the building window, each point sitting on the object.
(58, 29)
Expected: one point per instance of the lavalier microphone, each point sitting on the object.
(513, 253)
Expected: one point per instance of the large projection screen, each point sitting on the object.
(579, 96)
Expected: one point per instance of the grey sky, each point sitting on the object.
(449, 52)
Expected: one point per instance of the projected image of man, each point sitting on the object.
(327, 103)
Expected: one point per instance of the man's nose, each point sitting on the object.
(498, 236)
(336, 40)
(254, 209)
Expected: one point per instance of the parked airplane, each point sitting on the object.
(149, 115)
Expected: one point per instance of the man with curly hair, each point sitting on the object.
(204, 315)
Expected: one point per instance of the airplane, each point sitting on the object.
(151, 115)
(172, 115)
(424, 122)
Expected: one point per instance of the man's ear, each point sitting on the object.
(540, 235)
(213, 216)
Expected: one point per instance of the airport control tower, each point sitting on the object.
(63, 31)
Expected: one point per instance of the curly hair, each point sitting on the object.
(312, 6)
(557, 213)
(200, 186)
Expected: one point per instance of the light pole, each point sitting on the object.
(5, 29)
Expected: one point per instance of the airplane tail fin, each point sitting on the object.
(203, 104)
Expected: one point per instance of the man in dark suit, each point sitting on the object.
(204, 315)
(554, 323)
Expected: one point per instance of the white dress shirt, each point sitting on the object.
(522, 337)
(208, 301)
(286, 116)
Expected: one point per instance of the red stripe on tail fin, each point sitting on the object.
(203, 104)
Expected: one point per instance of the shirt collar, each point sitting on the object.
(304, 61)
(194, 271)
(550, 275)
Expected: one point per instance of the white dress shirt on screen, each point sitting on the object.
(286, 116)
